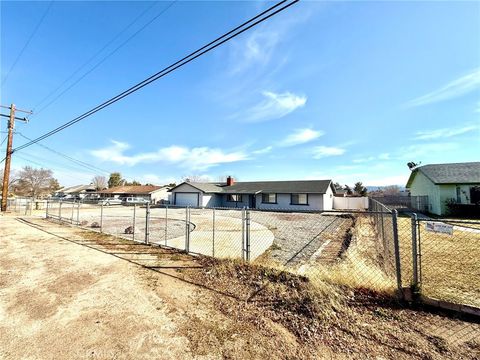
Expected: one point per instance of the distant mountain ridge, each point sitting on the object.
(374, 188)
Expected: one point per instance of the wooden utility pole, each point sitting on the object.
(8, 155)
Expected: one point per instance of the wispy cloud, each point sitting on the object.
(274, 106)
(155, 179)
(364, 160)
(199, 158)
(256, 50)
(326, 151)
(453, 89)
(264, 150)
(413, 152)
(301, 136)
(383, 156)
(444, 132)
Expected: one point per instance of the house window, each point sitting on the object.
(234, 198)
(299, 199)
(475, 195)
(269, 198)
(459, 195)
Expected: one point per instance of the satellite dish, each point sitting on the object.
(411, 165)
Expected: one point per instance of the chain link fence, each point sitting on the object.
(377, 249)
(447, 261)
(414, 203)
(25, 205)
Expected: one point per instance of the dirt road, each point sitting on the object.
(60, 300)
(67, 293)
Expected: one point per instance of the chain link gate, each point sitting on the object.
(446, 263)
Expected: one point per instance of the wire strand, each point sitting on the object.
(185, 60)
(28, 42)
(78, 162)
(101, 61)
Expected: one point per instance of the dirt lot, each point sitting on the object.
(67, 293)
(295, 236)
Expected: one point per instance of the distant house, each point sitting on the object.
(457, 182)
(285, 195)
(150, 192)
(340, 193)
(77, 191)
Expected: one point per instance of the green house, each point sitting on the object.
(442, 183)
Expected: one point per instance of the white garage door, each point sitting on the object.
(186, 199)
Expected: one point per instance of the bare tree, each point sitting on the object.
(100, 182)
(12, 180)
(391, 190)
(35, 182)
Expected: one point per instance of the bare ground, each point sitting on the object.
(68, 293)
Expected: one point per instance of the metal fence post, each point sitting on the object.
(101, 217)
(46, 211)
(147, 224)
(213, 233)
(78, 213)
(134, 219)
(60, 211)
(166, 224)
(397, 252)
(243, 234)
(187, 230)
(247, 234)
(414, 251)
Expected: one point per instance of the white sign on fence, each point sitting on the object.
(439, 227)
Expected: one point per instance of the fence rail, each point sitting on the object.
(412, 203)
(434, 260)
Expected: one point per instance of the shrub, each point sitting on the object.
(471, 211)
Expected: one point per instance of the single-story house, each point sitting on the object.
(280, 195)
(77, 191)
(443, 183)
(150, 192)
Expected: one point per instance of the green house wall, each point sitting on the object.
(438, 195)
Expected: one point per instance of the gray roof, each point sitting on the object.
(205, 187)
(455, 173)
(77, 189)
(279, 187)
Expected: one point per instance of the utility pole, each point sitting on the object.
(8, 153)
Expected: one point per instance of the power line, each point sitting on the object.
(76, 161)
(103, 59)
(57, 164)
(5, 138)
(28, 41)
(45, 165)
(192, 56)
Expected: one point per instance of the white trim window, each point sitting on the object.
(234, 198)
(269, 198)
(299, 199)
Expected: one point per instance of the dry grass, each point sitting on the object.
(450, 268)
(242, 311)
(295, 317)
(358, 268)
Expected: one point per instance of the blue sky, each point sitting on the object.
(349, 91)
